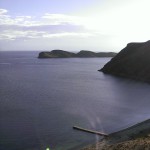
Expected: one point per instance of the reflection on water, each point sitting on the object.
(41, 99)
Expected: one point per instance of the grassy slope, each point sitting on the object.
(136, 137)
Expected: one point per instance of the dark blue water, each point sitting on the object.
(41, 99)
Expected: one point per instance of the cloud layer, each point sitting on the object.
(46, 26)
(109, 25)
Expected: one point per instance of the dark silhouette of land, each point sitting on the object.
(81, 54)
(132, 62)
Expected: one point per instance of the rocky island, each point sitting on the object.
(132, 62)
(81, 54)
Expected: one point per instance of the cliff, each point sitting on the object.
(81, 54)
(132, 62)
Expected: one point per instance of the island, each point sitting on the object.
(81, 54)
(131, 62)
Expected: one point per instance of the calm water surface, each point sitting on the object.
(41, 99)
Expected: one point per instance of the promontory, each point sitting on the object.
(132, 62)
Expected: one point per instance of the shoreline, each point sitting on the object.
(135, 137)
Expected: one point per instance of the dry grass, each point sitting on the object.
(137, 144)
(136, 137)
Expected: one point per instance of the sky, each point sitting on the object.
(73, 25)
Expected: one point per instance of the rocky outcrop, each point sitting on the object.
(81, 54)
(56, 54)
(132, 62)
(84, 53)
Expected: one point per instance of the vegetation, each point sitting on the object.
(81, 54)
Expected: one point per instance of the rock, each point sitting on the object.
(132, 62)
(56, 54)
(84, 53)
(81, 54)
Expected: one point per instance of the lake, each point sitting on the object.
(42, 99)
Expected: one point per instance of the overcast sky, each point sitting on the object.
(73, 25)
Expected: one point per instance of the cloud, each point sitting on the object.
(18, 34)
(71, 34)
(61, 18)
(46, 19)
(6, 19)
(43, 31)
(46, 26)
(3, 11)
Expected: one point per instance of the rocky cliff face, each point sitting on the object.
(132, 62)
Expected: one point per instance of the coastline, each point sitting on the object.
(136, 137)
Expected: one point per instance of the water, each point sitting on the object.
(42, 99)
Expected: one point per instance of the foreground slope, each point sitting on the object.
(136, 137)
(132, 62)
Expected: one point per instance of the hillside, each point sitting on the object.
(81, 54)
(132, 62)
(136, 137)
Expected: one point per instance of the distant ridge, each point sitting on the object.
(81, 54)
(132, 62)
